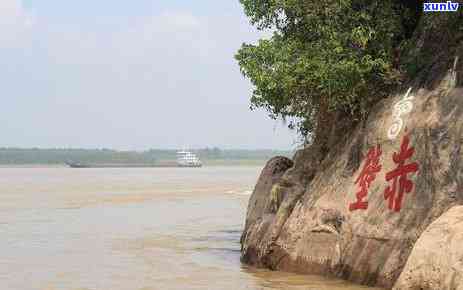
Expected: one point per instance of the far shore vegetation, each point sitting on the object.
(18, 157)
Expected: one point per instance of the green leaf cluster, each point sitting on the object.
(337, 54)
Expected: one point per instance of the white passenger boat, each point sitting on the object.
(187, 158)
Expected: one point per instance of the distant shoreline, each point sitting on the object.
(207, 163)
(33, 166)
(34, 157)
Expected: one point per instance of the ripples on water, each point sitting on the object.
(142, 229)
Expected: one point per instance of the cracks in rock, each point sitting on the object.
(280, 259)
(324, 229)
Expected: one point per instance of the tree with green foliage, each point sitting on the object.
(324, 57)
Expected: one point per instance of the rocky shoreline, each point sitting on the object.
(383, 205)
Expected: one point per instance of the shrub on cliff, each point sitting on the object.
(323, 56)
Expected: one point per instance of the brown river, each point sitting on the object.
(124, 229)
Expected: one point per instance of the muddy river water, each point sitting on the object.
(124, 229)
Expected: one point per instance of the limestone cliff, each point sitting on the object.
(356, 209)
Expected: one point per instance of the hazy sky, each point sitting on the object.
(128, 75)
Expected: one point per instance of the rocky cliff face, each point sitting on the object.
(357, 212)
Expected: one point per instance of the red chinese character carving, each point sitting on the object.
(366, 176)
(400, 175)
